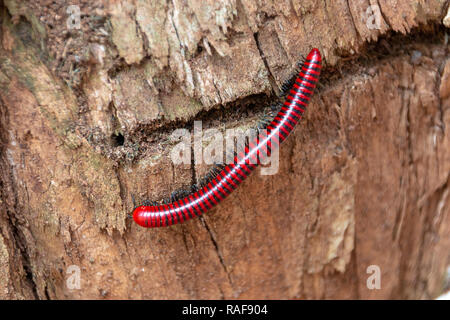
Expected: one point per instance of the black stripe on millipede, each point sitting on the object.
(215, 190)
(230, 172)
(215, 185)
(236, 181)
(301, 96)
(181, 211)
(281, 134)
(195, 205)
(298, 98)
(160, 215)
(251, 159)
(299, 92)
(296, 113)
(225, 176)
(284, 125)
(314, 61)
(164, 219)
(213, 194)
(206, 200)
(303, 86)
(285, 120)
(204, 197)
(190, 200)
(285, 115)
(199, 199)
(178, 211)
(301, 106)
(222, 194)
(171, 214)
(287, 128)
(222, 184)
(248, 167)
(156, 215)
(243, 167)
(314, 75)
(302, 92)
(306, 80)
(153, 216)
(233, 186)
(313, 68)
(238, 174)
(226, 185)
(185, 203)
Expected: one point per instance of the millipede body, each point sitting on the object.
(231, 175)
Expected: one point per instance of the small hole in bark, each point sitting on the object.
(117, 140)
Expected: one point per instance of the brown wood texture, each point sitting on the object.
(85, 120)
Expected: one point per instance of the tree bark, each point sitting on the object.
(86, 114)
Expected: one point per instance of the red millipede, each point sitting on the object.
(244, 163)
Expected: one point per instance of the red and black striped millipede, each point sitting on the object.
(233, 174)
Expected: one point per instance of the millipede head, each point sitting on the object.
(314, 56)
